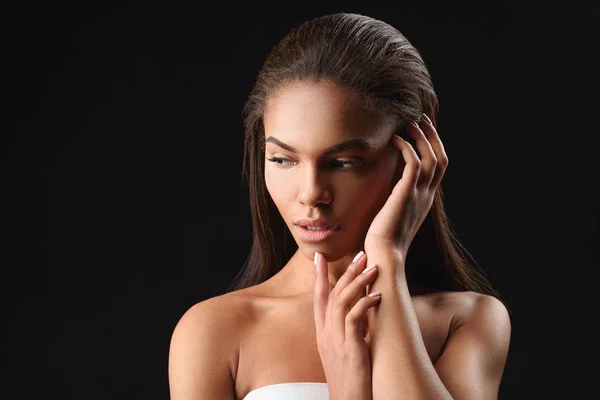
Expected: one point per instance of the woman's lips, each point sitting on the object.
(315, 236)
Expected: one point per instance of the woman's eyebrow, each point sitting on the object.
(350, 144)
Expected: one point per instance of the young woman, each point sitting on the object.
(355, 287)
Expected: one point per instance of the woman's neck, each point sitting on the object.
(298, 276)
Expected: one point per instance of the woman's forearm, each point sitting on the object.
(400, 363)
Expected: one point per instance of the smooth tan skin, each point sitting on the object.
(228, 345)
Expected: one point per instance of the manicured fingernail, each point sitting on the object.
(374, 294)
(370, 268)
(358, 256)
(425, 118)
(316, 258)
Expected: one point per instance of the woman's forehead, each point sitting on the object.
(313, 99)
(321, 114)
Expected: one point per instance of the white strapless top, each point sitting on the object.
(290, 391)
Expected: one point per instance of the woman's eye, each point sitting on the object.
(345, 164)
(280, 161)
(340, 164)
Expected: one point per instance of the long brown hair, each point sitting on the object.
(374, 60)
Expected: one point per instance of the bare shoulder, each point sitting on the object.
(207, 311)
(225, 307)
(463, 307)
(220, 316)
(476, 308)
(475, 353)
(204, 348)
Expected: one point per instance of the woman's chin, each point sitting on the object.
(331, 251)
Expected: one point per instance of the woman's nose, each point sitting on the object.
(313, 188)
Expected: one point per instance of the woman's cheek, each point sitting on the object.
(375, 191)
(277, 186)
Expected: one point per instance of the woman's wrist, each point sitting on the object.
(387, 258)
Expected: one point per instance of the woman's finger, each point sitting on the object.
(341, 304)
(354, 319)
(336, 313)
(428, 158)
(405, 187)
(356, 267)
(436, 143)
(321, 295)
(412, 168)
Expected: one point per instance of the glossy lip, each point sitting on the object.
(309, 236)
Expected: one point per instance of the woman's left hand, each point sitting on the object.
(398, 221)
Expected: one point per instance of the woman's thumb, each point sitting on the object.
(321, 295)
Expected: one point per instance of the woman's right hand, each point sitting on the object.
(340, 319)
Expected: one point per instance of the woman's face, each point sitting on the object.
(308, 178)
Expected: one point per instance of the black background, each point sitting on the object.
(122, 177)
